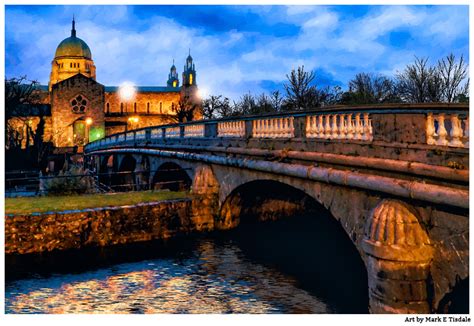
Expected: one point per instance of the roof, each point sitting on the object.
(73, 47)
(151, 89)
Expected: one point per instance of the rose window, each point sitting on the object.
(79, 104)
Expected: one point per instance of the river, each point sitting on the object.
(288, 266)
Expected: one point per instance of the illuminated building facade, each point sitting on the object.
(83, 110)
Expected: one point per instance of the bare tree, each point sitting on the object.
(211, 106)
(451, 75)
(367, 88)
(300, 92)
(184, 110)
(418, 83)
(276, 101)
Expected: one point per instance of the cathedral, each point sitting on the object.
(78, 109)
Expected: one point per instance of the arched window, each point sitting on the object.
(190, 79)
(148, 108)
(70, 65)
(161, 107)
(78, 65)
(121, 108)
(108, 108)
(135, 107)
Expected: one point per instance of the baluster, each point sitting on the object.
(366, 128)
(358, 127)
(456, 132)
(344, 130)
(442, 133)
(341, 127)
(335, 132)
(319, 126)
(309, 127)
(466, 132)
(314, 126)
(430, 129)
(350, 127)
(327, 127)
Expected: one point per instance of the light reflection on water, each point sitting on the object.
(216, 278)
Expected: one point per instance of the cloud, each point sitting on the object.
(234, 54)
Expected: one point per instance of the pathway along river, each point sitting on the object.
(294, 265)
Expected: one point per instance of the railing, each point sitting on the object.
(443, 125)
(194, 131)
(447, 130)
(173, 132)
(231, 129)
(339, 126)
(273, 128)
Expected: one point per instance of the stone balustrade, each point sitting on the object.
(141, 134)
(173, 132)
(273, 128)
(156, 133)
(447, 130)
(194, 131)
(231, 129)
(130, 135)
(347, 126)
(445, 126)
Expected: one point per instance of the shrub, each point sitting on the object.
(72, 181)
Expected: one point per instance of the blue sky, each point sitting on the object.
(236, 49)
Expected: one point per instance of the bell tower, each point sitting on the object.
(189, 73)
(173, 80)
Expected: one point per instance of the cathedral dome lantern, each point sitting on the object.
(73, 56)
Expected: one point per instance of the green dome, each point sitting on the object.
(73, 47)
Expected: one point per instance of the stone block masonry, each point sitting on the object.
(40, 232)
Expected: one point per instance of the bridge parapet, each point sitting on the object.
(435, 125)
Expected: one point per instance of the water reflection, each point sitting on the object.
(215, 278)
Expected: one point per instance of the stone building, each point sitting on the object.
(83, 110)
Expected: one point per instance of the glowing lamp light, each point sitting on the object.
(89, 121)
(202, 92)
(127, 91)
(133, 119)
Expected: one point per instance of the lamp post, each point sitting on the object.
(88, 126)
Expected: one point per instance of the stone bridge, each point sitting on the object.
(395, 178)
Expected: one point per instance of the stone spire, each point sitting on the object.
(73, 30)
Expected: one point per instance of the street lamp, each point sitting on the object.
(88, 126)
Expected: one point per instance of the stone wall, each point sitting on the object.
(63, 116)
(145, 102)
(34, 233)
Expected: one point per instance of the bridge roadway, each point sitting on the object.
(396, 178)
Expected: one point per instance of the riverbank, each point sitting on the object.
(28, 205)
(35, 232)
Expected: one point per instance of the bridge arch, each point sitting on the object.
(172, 176)
(142, 173)
(126, 177)
(334, 259)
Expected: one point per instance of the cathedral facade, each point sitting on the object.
(82, 110)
